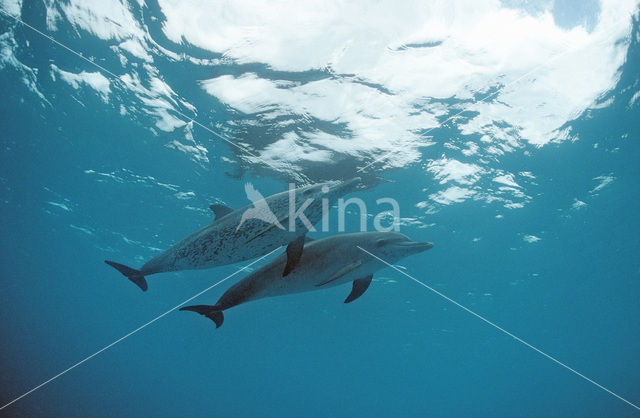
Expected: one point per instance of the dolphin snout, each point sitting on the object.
(418, 246)
(426, 245)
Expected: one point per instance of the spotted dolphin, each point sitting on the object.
(274, 221)
(324, 263)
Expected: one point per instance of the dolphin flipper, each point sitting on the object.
(134, 275)
(210, 311)
(220, 210)
(294, 252)
(359, 287)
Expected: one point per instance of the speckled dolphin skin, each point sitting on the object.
(232, 238)
(324, 263)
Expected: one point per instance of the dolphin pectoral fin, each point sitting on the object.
(294, 252)
(220, 210)
(344, 270)
(210, 311)
(359, 287)
(134, 275)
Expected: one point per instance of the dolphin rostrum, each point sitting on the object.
(325, 263)
(238, 235)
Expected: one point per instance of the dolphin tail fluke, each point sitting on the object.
(210, 311)
(134, 275)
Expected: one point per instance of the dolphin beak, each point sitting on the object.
(417, 247)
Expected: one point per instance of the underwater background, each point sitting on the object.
(508, 132)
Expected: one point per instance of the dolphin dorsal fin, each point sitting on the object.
(220, 210)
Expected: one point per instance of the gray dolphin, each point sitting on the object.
(325, 263)
(238, 235)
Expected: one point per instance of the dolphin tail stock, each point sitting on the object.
(212, 312)
(134, 275)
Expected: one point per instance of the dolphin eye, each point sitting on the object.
(381, 242)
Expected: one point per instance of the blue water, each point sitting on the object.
(81, 183)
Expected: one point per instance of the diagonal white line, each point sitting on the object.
(528, 73)
(136, 330)
(520, 340)
(117, 79)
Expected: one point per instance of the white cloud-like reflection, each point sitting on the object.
(308, 83)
